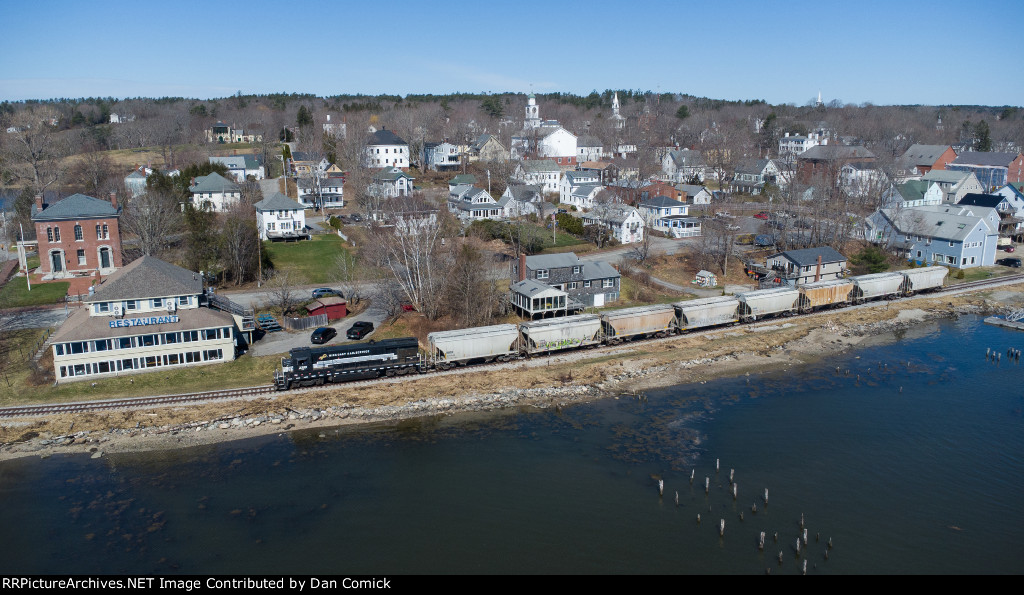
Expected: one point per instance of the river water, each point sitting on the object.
(908, 458)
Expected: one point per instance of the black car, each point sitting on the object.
(322, 335)
(1009, 262)
(360, 330)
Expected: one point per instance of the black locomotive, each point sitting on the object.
(308, 366)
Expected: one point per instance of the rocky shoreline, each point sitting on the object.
(576, 379)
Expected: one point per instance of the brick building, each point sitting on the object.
(78, 235)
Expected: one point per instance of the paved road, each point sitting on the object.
(41, 318)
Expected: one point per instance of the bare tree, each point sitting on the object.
(417, 259)
(348, 276)
(281, 292)
(238, 243)
(34, 149)
(155, 220)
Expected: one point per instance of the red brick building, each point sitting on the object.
(78, 235)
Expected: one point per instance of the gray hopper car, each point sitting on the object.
(553, 334)
(762, 303)
(484, 344)
(704, 312)
(878, 285)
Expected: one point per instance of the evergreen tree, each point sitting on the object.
(982, 136)
(304, 118)
(683, 112)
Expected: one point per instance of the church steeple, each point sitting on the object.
(616, 116)
(819, 103)
(532, 112)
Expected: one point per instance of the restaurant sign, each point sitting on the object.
(143, 321)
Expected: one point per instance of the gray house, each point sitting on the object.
(797, 267)
(591, 284)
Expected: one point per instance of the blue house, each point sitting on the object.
(960, 236)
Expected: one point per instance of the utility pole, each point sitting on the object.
(28, 277)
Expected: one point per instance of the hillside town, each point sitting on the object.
(251, 236)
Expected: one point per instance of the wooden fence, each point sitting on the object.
(301, 324)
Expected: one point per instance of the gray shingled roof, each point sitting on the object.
(944, 222)
(214, 183)
(278, 202)
(553, 261)
(384, 137)
(945, 176)
(588, 141)
(76, 206)
(752, 166)
(148, 277)
(924, 155)
(661, 202)
(539, 165)
(989, 159)
(809, 256)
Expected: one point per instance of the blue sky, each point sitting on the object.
(938, 52)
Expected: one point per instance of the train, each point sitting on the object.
(310, 366)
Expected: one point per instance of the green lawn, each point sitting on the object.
(311, 262)
(16, 294)
(244, 371)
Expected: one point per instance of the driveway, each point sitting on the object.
(283, 341)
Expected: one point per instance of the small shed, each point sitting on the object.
(705, 279)
(333, 307)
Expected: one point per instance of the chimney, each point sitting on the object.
(39, 202)
(113, 200)
(817, 271)
(522, 267)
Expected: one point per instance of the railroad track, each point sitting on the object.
(138, 402)
(255, 391)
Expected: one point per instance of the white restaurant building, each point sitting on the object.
(146, 315)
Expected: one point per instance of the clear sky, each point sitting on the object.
(883, 52)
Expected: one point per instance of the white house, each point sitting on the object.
(583, 196)
(216, 191)
(558, 143)
(1015, 202)
(392, 181)
(669, 216)
(624, 221)
(386, 149)
(573, 179)
(241, 166)
(862, 179)
(912, 193)
(319, 191)
(279, 217)
(793, 145)
(588, 148)
(698, 195)
(442, 156)
(520, 200)
(539, 172)
(470, 203)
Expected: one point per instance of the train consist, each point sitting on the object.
(506, 342)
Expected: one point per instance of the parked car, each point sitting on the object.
(322, 335)
(1009, 262)
(360, 330)
(1007, 248)
(761, 215)
(732, 227)
(776, 224)
(320, 292)
(764, 240)
(357, 217)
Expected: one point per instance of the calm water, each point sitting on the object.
(927, 480)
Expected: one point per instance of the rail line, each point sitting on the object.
(268, 389)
